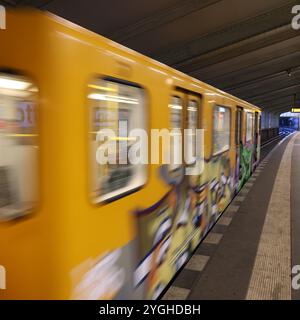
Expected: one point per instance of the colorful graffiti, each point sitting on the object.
(170, 230)
(244, 164)
(168, 233)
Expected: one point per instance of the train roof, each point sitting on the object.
(92, 37)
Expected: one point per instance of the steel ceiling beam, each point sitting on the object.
(239, 48)
(276, 104)
(279, 102)
(282, 110)
(177, 11)
(230, 34)
(294, 88)
(275, 109)
(265, 88)
(271, 77)
(283, 52)
(253, 72)
(270, 92)
(269, 100)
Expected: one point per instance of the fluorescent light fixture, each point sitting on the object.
(173, 106)
(93, 86)
(15, 93)
(221, 109)
(6, 83)
(120, 99)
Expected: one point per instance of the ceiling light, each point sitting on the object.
(120, 99)
(6, 83)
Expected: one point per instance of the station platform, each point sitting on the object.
(250, 252)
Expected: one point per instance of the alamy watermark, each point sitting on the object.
(2, 278)
(2, 18)
(296, 277)
(296, 18)
(169, 147)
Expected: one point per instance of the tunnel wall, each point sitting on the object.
(269, 126)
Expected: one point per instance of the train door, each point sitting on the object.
(249, 147)
(239, 146)
(191, 210)
(170, 229)
(259, 137)
(192, 123)
(256, 139)
(185, 116)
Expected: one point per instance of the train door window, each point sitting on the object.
(18, 147)
(116, 108)
(176, 111)
(221, 129)
(249, 124)
(192, 125)
(256, 123)
(238, 127)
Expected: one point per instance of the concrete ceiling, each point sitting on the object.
(247, 48)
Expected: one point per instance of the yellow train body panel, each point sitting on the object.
(56, 251)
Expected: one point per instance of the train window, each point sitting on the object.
(176, 109)
(117, 108)
(192, 124)
(221, 133)
(239, 126)
(249, 123)
(18, 147)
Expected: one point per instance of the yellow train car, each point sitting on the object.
(72, 227)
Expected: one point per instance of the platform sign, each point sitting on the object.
(295, 110)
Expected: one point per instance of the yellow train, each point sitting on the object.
(71, 228)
